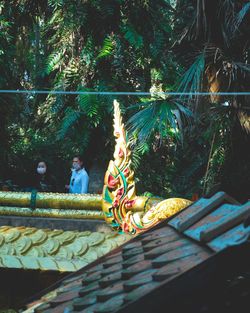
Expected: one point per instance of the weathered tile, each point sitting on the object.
(198, 210)
(110, 292)
(83, 302)
(72, 284)
(161, 241)
(92, 277)
(175, 268)
(71, 287)
(140, 291)
(89, 309)
(73, 279)
(136, 268)
(132, 245)
(88, 289)
(132, 252)
(163, 232)
(95, 268)
(111, 305)
(231, 237)
(139, 280)
(114, 254)
(151, 260)
(133, 260)
(219, 221)
(113, 261)
(165, 248)
(111, 269)
(175, 255)
(110, 279)
(65, 297)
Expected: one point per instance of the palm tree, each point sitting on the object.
(213, 47)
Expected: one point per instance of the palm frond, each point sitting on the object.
(107, 48)
(138, 151)
(70, 118)
(132, 36)
(242, 14)
(55, 3)
(157, 115)
(244, 67)
(53, 62)
(87, 104)
(90, 107)
(88, 52)
(192, 79)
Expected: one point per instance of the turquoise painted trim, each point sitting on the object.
(107, 196)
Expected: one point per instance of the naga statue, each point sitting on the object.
(123, 210)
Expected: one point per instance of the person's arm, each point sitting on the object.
(71, 184)
(85, 183)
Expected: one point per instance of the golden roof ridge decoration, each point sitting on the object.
(123, 210)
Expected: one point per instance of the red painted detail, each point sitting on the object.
(129, 204)
(120, 192)
(125, 227)
(126, 172)
(120, 154)
(112, 182)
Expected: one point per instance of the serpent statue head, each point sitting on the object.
(123, 209)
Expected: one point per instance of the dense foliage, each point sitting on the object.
(182, 145)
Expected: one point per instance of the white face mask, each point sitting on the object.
(41, 170)
(76, 166)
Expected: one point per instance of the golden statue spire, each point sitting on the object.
(122, 208)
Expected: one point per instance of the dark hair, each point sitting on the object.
(79, 158)
(84, 162)
(41, 161)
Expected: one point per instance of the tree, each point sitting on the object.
(211, 43)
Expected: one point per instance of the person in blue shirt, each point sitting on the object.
(79, 180)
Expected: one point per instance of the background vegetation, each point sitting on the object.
(183, 146)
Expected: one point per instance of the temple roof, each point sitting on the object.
(54, 249)
(162, 267)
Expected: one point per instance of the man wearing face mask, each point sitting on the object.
(79, 180)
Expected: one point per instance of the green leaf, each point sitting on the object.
(70, 118)
(192, 79)
(107, 48)
(131, 35)
(53, 62)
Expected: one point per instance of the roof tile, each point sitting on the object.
(198, 210)
(175, 268)
(155, 258)
(83, 302)
(133, 260)
(141, 291)
(136, 268)
(88, 289)
(110, 279)
(109, 292)
(139, 280)
(176, 254)
(161, 241)
(165, 248)
(111, 305)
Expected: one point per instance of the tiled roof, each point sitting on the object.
(158, 267)
(57, 250)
